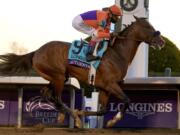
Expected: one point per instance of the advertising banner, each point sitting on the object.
(38, 110)
(147, 109)
(8, 107)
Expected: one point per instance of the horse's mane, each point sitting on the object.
(125, 30)
(128, 27)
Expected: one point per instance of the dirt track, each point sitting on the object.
(60, 131)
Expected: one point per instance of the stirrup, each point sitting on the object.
(92, 58)
(84, 41)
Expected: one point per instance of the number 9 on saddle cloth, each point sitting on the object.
(78, 52)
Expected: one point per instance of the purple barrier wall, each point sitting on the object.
(147, 109)
(35, 109)
(8, 107)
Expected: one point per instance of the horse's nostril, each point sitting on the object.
(162, 42)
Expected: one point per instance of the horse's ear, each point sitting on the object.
(135, 17)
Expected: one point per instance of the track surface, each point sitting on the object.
(60, 131)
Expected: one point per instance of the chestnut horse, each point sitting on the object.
(51, 62)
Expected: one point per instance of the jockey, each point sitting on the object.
(96, 24)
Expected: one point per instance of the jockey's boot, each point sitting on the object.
(90, 56)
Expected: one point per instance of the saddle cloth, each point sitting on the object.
(78, 51)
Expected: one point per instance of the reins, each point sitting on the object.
(122, 37)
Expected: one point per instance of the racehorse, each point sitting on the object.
(50, 61)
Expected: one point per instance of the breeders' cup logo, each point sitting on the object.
(2, 104)
(38, 103)
(41, 110)
(141, 110)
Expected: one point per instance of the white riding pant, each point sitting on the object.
(79, 25)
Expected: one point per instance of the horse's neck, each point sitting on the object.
(126, 49)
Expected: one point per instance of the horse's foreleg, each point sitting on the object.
(103, 100)
(117, 92)
(58, 85)
(71, 112)
(48, 92)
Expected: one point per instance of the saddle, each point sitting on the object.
(78, 52)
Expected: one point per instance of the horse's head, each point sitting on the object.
(148, 34)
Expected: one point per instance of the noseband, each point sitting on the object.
(156, 33)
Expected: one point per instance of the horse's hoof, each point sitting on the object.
(78, 122)
(61, 118)
(110, 123)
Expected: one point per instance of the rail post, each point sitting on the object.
(20, 106)
(178, 109)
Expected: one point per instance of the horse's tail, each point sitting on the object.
(11, 63)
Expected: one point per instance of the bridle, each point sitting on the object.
(155, 34)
